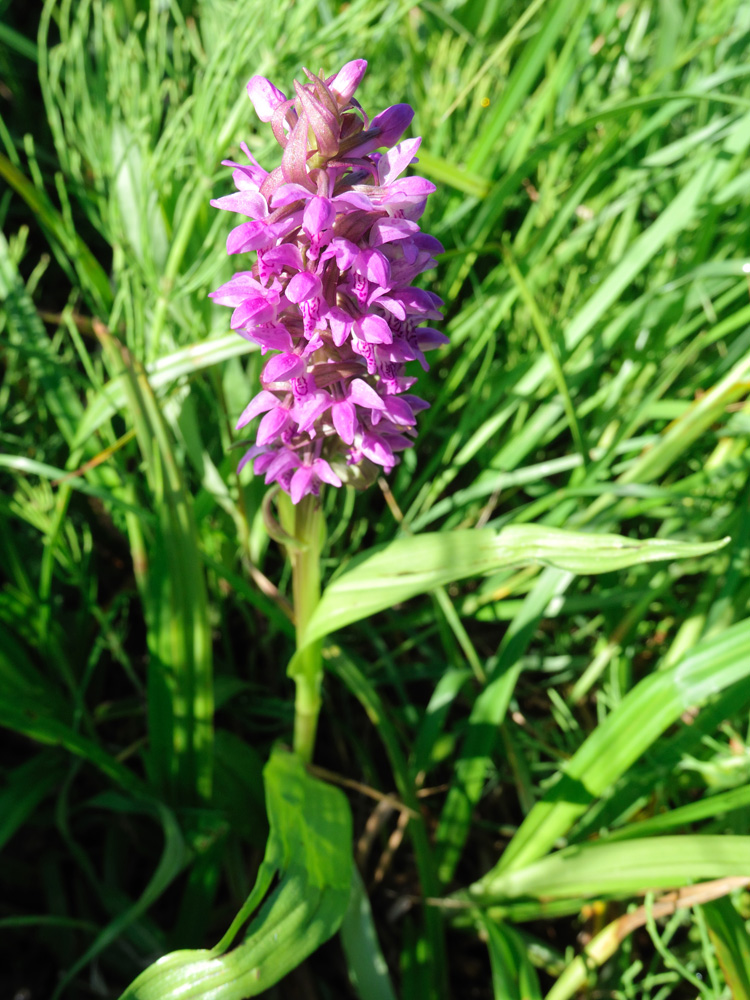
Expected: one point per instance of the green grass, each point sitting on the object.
(567, 749)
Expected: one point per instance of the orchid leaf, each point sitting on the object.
(620, 869)
(389, 574)
(309, 849)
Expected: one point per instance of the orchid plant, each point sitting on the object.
(337, 247)
(329, 296)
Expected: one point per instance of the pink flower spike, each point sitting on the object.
(335, 229)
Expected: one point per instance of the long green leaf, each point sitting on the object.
(393, 573)
(731, 942)
(621, 869)
(180, 684)
(309, 846)
(641, 717)
(367, 967)
(90, 271)
(513, 975)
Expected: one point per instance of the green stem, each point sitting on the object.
(306, 524)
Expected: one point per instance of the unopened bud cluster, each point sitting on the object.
(337, 245)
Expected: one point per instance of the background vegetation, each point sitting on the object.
(593, 166)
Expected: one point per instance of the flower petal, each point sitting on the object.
(249, 203)
(274, 422)
(320, 214)
(262, 402)
(359, 392)
(250, 236)
(374, 330)
(283, 367)
(389, 230)
(302, 286)
(374, 266)
(252, 311)
(265, 97)
(344, 420)
(324, 472)
(347, 80)
(272, 335)
(302, 483)
(377, 449)
(396, 160)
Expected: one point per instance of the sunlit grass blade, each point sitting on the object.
(731, 941)
(513, 975)
(554, 18)
(709, 807)
(162, 373)
(605, 944)
(487, 715)
(367, 967)
(640, 718)
(619, 869)
(180, 672)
